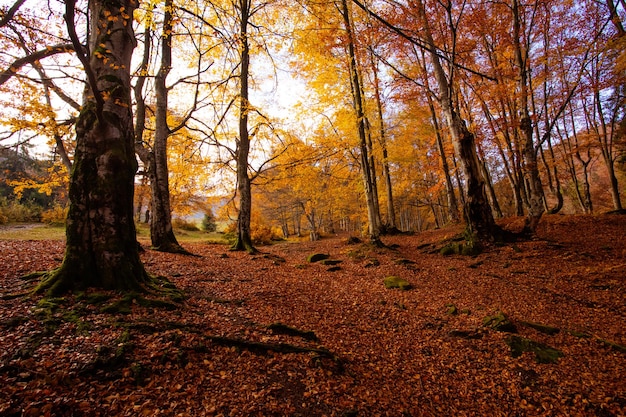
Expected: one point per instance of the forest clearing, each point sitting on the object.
(527, 328)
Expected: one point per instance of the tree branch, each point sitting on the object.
(78, 47)
(418, 42)
(6, 18)
(7, 74)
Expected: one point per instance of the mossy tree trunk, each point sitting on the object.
(101, 249)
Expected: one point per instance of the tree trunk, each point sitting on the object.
(391, 215)
(161, 231)
(101, 249)
(453, 205)
(477, 210)
(373, 215)
(606, 138)
(531, 167)
(244, 239)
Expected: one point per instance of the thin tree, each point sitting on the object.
(244, 236)
(367, 168)
(477, 210)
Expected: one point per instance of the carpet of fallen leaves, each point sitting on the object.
(348, 347)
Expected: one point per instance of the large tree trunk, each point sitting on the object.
(101, 249)
(477, 210)
(244, 239)
(373, 214)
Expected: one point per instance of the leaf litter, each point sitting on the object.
(274, 335)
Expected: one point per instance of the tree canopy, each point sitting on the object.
(359, 116)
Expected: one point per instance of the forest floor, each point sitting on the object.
(529, 328)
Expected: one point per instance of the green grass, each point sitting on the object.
(31, 231)
(40, 231)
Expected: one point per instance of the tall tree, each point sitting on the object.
(244, 240)
(477, 209)
(366, 151)
(161, 231)
(101, 249)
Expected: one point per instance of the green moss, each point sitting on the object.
(543, 353)
(466, 245)
(579, 334)
(449, 249)
(452, 310)
(397, 282)
(316, 257)
(96, 298)
(499, 322)
(613, 345)
(330, 262)
(123, 305)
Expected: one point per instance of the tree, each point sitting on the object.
(366, 152)
(244, 239)
(477, 209)
(101, 249)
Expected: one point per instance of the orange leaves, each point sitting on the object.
(402, 353)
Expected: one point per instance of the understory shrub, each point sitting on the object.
(15, 212)
(55, 216)
(183, 224)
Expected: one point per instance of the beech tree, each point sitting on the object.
(477, 209)
(101, 249)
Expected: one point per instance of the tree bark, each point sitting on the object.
(373, 215)
(477, 210)
(391, 214)
(161, 230)
(101, 249)
(536, 207)
(244, 238)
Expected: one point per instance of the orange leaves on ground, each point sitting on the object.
(395, 352)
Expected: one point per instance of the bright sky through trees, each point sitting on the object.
(301, 92)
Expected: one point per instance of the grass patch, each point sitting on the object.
(32, 231)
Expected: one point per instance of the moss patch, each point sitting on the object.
(543, 353)
(613, 345)
(451, 309)
(397, 282)
(316, 257)
(123, 305)
(499, 322)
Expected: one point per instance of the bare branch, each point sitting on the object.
(6, 18)
(7, 74)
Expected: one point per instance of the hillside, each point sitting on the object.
(527, 328)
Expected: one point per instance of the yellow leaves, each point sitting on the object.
(45, 184)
